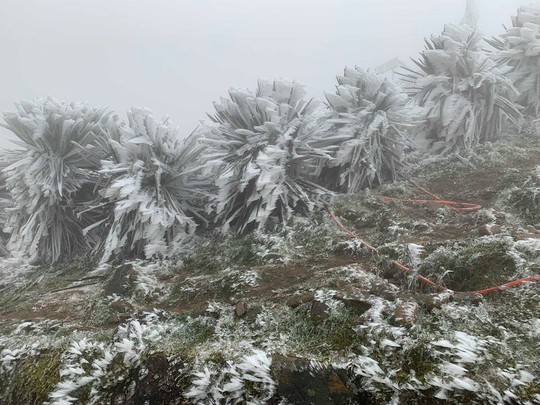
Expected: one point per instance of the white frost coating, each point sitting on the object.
(265, 156)
(467, 97)
(519, 48)
(131, 341)
(248, 381)
(535, 328)
(49, 178)
(366, 122)
(152, 185)
(415, 253)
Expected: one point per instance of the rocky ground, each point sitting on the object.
(303, 315)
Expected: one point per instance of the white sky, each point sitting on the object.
(177, 56)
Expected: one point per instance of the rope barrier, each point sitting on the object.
(458, 206)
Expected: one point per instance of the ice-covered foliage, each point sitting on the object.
(97, 367)
(50, 178)
(366, 123)
(150, 186)
(248, 381)
(260, 146)
(519, 47)
(467, 96)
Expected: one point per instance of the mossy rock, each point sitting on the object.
(33, 378)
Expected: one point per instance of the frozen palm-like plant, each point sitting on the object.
(467, 97)
(519, 47)
(150, 186)
(367, 120)
(50, 178)
(260, 146)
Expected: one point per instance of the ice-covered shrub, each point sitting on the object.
(260, 146)
(366, 121)
(51, 178)
(149, 186)
(248, 381)
(519, 48)
(467, 96)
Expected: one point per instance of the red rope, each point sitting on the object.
(455, 205)
(458, 206)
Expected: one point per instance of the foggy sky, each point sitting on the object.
(177, 56)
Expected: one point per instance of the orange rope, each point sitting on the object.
(458, 206)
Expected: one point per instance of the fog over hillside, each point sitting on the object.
(176, 57)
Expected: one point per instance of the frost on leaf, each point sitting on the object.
(249, 381)
(365, 125)
(262, 148)
(519, 48)
(51, 178)
(467, 97)
(151, 187)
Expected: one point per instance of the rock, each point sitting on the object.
(489, 229)
(299, 381)
(296, 301)
(357, 305)
(122, 306)
(212, 311)
(319, 311)
(240, 309)
(116, 319)
(531, 229)
(272, 257)
(160, 382)
(406, 314)
(113, 320)
(354, 299)
(384, 290)
(433, 301)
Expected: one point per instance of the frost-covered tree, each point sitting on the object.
(366, 122)
(259, 145)
(519, 47)
(149, 187)
(467, 96)
(50, 178)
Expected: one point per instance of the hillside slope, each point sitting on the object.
(306, 314)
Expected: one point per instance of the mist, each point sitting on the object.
(177, 57)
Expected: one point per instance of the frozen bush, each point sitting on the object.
(262, 148)
(467, 96)
(149, 188)
(519, 48)
(366, 122)
(51, 178)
